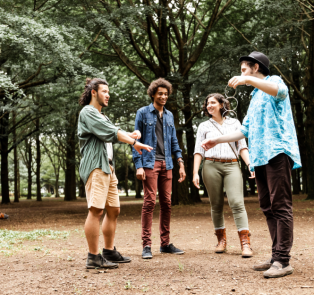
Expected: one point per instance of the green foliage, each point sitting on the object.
(8, 238)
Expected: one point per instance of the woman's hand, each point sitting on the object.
(252, 174)
(196, 180)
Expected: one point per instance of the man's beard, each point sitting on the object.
(101, 103)
(251, 73)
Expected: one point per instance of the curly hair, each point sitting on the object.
(91, 84)
(221, 99)
(153, 87)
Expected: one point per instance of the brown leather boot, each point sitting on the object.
(244, 236)
(222, 240)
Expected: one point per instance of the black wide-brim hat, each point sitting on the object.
(257, 57)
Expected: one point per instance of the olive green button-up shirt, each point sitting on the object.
(94, 131)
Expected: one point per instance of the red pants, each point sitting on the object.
(159, 178)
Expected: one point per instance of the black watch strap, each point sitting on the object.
(134, 142)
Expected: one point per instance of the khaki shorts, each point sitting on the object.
(102, 189)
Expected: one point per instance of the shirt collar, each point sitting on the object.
(152, 108)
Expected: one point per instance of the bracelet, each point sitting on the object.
(134, 142)
(180, 161)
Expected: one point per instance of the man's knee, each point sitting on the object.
(113, 212)
(149, 205)
(96, 212)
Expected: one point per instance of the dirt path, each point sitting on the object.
(57, 266)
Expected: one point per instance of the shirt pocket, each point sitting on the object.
(170, 126)
(148, 126)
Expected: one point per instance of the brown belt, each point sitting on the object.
(222, 160)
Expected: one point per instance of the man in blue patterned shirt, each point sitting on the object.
(274, 152)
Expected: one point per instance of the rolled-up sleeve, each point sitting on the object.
(283, 92)
(200, 136)
(99, 126)
(245, 126)
(137, 158)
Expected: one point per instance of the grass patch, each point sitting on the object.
(9, 238)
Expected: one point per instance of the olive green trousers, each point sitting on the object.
(216, 176)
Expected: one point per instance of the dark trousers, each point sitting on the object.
(161, 179)
(275, 197)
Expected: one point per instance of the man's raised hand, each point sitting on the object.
(139, 146)
(236, 81)
(207, 144)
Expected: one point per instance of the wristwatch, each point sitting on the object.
(180, 161)
(134, 142)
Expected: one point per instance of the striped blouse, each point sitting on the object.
(220, 151)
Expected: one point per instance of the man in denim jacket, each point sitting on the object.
(156, 125)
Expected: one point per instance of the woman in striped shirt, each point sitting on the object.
(221, 170)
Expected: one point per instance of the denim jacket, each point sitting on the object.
(145, 122)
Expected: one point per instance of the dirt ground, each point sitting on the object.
(57, 266)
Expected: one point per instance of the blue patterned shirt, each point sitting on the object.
(269, 126)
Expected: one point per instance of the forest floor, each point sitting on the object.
(35, 260)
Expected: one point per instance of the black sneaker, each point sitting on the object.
(97, 261)
(147, 253)
(171, 250)
(115, 256)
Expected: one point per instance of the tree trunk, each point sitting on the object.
(126, 175)
(310, 149)
(252, 186)
(29, 168)
(70, 177)
(190, 142)
(310, 118)
(180, 191)
(138, 185)
(57, 195)
(38, 159)
(295, 183)
(245, 174)
(4, 141)
(16, 165)
(296, 102)
(82, 192)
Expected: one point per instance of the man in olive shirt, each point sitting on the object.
(96, 134)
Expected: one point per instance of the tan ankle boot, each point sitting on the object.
(222, 240)
(244, 236)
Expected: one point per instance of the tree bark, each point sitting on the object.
(82, 192)
(28, 144)
(252, 187)
(16, 166)
(70, 177)
(138, 185)
(4, 141)
(190, 142)
(309, 90)
(38, 160)
(180, 191)
(126, 174)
